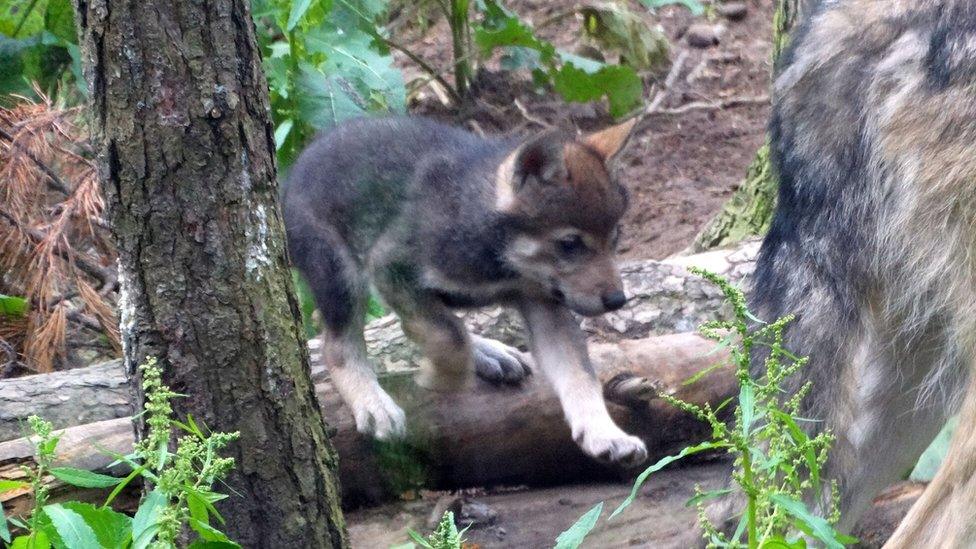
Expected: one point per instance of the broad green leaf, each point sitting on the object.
(59, 19)
(113, 530)
(510, 31)
(36, 540)
(662, 463)
(818, 527)
(928, 465)
(614, 27)
(12, 305)
(83, 478)
(573, 537)
(10, 485)
(282, 131)
(298, 9)
(145, 522)
(620, 84)
(22, 18)
(71, 527)
(207, 532)
(324, 101)
(125, 482)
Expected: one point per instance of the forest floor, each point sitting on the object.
(679, 169)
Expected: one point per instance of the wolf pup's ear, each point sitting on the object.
(539, 161)
(609, 142)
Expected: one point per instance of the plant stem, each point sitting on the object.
(752, 530)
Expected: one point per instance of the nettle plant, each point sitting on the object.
(777, 465)
(178, 476)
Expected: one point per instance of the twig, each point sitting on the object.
(715, 105)
(434, 74)
(86, 266)
(530, 117)
(53, 181)
(669, 81)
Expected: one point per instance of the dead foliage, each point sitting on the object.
(55, 249)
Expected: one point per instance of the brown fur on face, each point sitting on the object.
(561, 194)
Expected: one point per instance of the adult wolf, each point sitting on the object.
(873, 245)
(438, 218)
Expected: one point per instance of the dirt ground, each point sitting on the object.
(680, 168)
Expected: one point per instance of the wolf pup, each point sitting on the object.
(438, 219)
(873, 246)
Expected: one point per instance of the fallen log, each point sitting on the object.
(664, 299)
(482, 436)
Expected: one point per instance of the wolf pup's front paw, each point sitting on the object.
(377, 415)
(609, 444)
(499, 363)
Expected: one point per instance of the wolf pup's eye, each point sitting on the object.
(571, 245)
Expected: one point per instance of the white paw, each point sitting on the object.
(376, 414)
(499, 363)
(606, 442)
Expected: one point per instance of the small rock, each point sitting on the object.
(733, 11)
(501, 533)
(703, 36)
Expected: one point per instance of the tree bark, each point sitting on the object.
(484, 435)
(750, 210)
(180, 113)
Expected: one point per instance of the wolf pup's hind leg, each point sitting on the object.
(340, 293)
(450, 353)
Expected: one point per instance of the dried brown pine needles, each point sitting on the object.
(54, 249)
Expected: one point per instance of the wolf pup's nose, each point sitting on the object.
(614, 300)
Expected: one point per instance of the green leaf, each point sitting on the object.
(10, 485)
(36, 540)
(573, 537)
(4, 529)
(207, 532)
(620, 84)
(298, 9)
(782, 543)
(510, 31)
(818, 527)
(747, 404)
(614, 27)
(324, 101)
(930, 461)
(12, 305)
(695, 7)
(83, 478)
(125, 482)
(204, 544)
(22, 18)
(71, 527)
(701, 374)
(59, 20)
(282, 131)
(113, 530)
(706, 496)
(662, 463)
(145, 522)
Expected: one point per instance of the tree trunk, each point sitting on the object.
(750, 210)
(180, 113)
